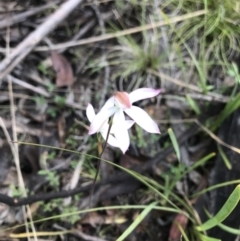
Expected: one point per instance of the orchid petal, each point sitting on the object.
(121, 133)
(142, 119)
(143, 93)
(109, 103)
(111, 140)
(90, 112)
(128, 124)
(100, 118)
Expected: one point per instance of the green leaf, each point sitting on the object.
(229, 229)
(51, 87)
(174, 142)
(59, 100)
(40, 100)
(230, 107)
(43, 172)
(224, 157)
(182, 232)
(224, 212)
(199, 163)
(43, 68)
(193, 104)
(206, 238)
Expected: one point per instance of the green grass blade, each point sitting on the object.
(136, 222)
(231, 106)
(224, 157)
(193, 104)
(132, 173)
(182, 232)
(224, 211)
(229, 229)
(150, 186)
(120, 207)
(219, 185)
(206, 238)
(199, 163)
(174, 142)
(200, 70)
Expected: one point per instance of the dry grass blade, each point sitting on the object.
(122, 33)
(218, 140)
(14, 147)
(211, 95)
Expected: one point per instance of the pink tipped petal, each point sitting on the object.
(143, 93)
(90, 112)
(123, 99)
(142, 119)
(111, 140)
(121, 133)
(100, 118)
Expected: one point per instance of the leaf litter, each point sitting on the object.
(49, 97)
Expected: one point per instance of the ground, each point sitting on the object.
(56, 57)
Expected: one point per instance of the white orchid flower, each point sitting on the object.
(105, 126)
(122, 102)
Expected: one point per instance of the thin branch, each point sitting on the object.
(41, 91)
(7, 22)
(26, 46)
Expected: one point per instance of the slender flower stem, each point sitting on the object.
(99, 161)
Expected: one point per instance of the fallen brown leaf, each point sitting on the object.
(63, 70)
(175, 233)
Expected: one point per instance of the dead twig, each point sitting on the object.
(21, 128)
(42, 92)
(7, 22)
(25, 47)
(25, 85)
